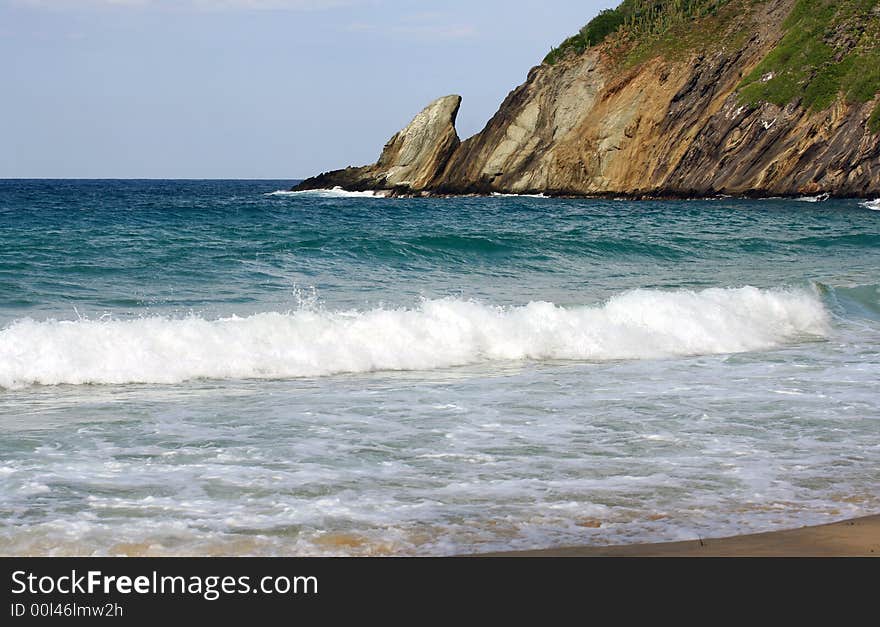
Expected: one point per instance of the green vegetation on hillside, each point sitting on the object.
(874, 120)
(607, 22)
(829, 49)
(635, 19)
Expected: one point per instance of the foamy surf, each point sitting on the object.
(336, 192)
(818, 198)
(641, 324)
(500, 195)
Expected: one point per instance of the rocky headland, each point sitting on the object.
(667, 99)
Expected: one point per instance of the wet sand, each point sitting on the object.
(859, 537)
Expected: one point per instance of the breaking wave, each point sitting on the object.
(336, 192)
(641, 324)
(819, 198)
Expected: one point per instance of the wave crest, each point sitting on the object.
(642, 324)
(336, 192)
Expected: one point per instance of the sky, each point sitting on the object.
(272, 89)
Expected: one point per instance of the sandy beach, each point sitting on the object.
(859, 537)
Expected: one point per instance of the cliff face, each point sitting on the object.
(669, 125)
(412, 160)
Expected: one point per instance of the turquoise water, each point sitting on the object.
(216, 368)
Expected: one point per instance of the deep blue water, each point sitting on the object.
(213, 367)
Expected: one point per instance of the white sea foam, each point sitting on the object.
(500, 195)
(336, 192)
(873, 205)
(641, 324)
(819, 198)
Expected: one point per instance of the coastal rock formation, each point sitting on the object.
(619, 120)
(412, 160)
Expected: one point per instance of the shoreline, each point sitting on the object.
(658, 195)
(854, 537)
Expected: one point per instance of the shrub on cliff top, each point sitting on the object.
(636, 18)
(607, 22)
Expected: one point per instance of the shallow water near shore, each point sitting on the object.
(210, 367)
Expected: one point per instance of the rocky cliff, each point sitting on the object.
(413, 160)
(742, 97)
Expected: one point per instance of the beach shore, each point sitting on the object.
(858, 537)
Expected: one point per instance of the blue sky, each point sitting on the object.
(250, 88)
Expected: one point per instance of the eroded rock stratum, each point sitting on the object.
(672, 122)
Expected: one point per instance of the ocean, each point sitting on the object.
(224, 368)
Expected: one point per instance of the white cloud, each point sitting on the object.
(437, 31)
(200, 5)
(433, 26)
(427, 16)
(271, 4)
